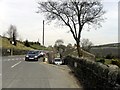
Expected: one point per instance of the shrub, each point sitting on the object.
(109, 56)
(115, 63)
(27, 43)
(101, 60)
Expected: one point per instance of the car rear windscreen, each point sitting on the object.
(57, 60)
(32, 52)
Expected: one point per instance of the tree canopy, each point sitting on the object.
(75, 14)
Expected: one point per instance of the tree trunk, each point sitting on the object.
(79, 50)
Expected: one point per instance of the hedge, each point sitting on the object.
(7, 52)
(94, 74)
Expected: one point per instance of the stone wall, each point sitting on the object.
(94, 74)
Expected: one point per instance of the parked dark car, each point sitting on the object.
(32, 55)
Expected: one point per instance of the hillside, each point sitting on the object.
(38, 47)
(0, 41)
(109, 45)
(5, 43)
(112, 49)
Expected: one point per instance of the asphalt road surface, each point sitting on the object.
(0, 71)
(18, 73)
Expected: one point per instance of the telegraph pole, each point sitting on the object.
(43, 32)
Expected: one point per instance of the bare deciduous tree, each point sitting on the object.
(12, 33)
(75, 14)
(86, 44)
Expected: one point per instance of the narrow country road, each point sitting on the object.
(17, 73)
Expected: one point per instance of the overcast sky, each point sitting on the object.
(22, 14)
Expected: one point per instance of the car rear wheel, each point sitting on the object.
(26, 60)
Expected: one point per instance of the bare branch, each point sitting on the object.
(74, 14)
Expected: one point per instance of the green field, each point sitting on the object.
(109, 61)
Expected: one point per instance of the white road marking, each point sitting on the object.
(15, 64)
(31, 62)
(12, 59)
(21, 58)
(17, 58)
(8, 59)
